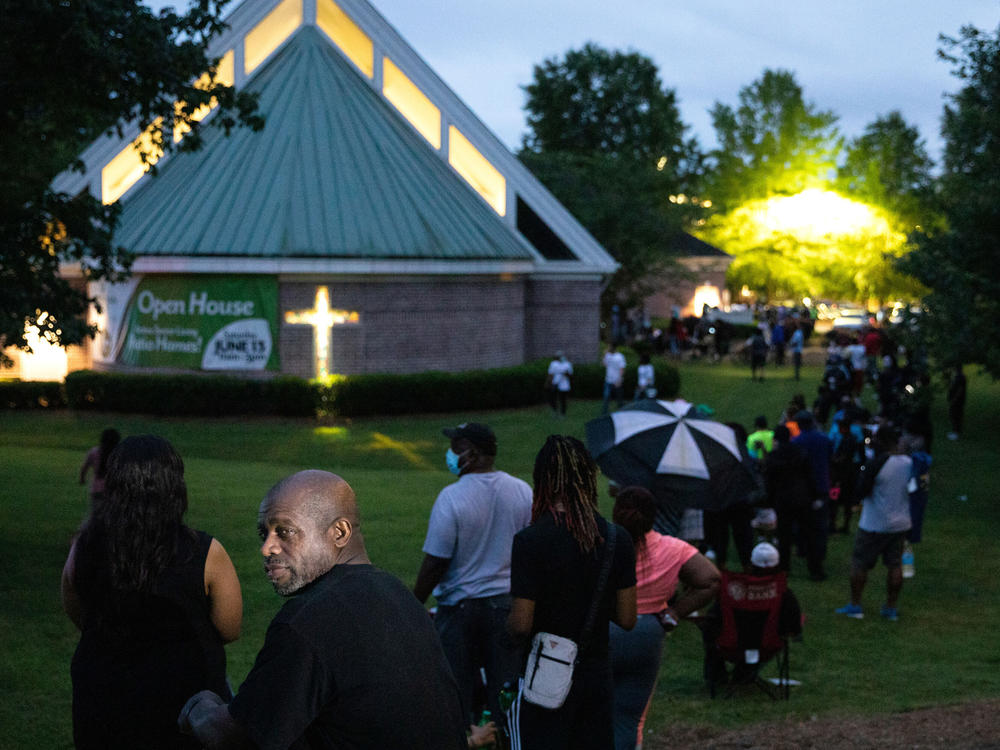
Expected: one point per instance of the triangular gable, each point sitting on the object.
(260, 29)
(334, 174)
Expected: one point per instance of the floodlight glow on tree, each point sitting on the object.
(815, 215)
(322, 318)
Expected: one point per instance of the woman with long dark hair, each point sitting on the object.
(97, 460)
(555, 568)
(661, 563)
(155, 602)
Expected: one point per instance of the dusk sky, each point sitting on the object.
(857, 58)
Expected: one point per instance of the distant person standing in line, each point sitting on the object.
(795, 344)
(557, 382)
(614, 377)
(646, 378)
(97, 459)
(758, 355)
(956, 402)
(760, 442)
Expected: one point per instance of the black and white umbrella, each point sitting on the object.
(669, 447)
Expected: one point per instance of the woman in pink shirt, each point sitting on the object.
(661, 562)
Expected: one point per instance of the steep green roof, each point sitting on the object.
(336, 173)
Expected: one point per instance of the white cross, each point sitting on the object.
(322, 318)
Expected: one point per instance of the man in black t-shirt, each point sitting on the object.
(351, 661)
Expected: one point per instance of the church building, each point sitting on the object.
(373, 225)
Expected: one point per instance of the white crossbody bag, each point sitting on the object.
(548, 675)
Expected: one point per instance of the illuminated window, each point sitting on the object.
(411, 102)
(224, 75)
(347, 35)
(276, 27)
(477, 171)
(123, 171)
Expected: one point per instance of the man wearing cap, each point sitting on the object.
(467, 562)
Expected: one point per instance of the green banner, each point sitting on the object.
(203, 323)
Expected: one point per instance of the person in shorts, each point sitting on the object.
(885, 520)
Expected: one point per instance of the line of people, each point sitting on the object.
(352, 658)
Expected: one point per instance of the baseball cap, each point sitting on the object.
(764, 555)
(480, 435)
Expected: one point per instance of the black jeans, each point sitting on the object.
(474, 636)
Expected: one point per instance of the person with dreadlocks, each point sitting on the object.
(555, 568)
(155, 601)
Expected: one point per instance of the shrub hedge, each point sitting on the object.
(18, 394)
(189, 395)
(349, 396)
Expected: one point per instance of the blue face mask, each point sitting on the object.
(451, 458)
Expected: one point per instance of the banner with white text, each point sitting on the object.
(203, 323)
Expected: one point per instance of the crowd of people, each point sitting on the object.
(353, 658)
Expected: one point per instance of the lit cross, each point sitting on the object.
(322, 319)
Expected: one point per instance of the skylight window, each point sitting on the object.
(265, 37)
(347, 35)
(411, 102)
(477, 170)
(125, 169)
(224, 75)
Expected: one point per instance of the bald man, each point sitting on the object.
(351, 660)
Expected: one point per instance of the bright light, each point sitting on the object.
(815, 215)
(322, 318)
(706, 294)
(46, 361)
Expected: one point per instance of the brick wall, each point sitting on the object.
(411, 325)
(563, 314)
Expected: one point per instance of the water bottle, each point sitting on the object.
(485, 719)
(507, 696)
(909, 569)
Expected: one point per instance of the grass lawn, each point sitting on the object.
(939, 651)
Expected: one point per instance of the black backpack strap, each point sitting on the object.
(602, 580)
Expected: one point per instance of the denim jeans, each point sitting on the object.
(610, 389)
(474, 636)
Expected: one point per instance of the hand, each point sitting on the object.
(196, 705)
(482, 736)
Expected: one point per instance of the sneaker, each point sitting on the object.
(851, 610)
(889, 613)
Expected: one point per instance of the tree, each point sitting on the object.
(959, 262)
(606, 138)
(73, 70)
(888, 166)
(774, 143)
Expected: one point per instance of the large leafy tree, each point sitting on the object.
(961, 263)
(73, 70)
(772, 184)
(606, 137)
(773, 143)
(888, 166)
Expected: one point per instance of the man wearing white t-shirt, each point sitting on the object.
(467, 563)
(885, 519)
(614, 377)
(558, 382)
